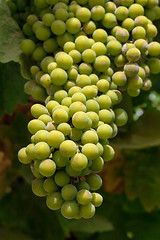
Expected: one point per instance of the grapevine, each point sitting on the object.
(84, 56)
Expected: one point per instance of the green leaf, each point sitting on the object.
(144, 133)
(11, 35)
(11, 87)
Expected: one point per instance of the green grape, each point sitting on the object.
(133, 54)
(120, 61)
(157, 12)
(142, 45)
(59, 76)
(73, 25)
(93, 117)
(92, 105)
(121, 117)
(109, 20)
(94, 181)
(80, 120)
(45, 81)
(27, 30)
(83, 80)
(50, 45)
(101, 63)
(90, 92)
(64, 128)
(72, 172)
(104, 101)
(51, 66)
(141, 2)
(29, 151)
(94, 79)
(23, 157)
(36, 25)
(133, 92)
(99, 48)
(34, 70)
(141, 21)
(126, 3)
(48, 19)
(138, 32)
(99, 145)
(76, 107)
(88, 56)
(108, 153)
(47, 168)
(38, 76)
(104, 131)
(147, 84)
(97, 199)
(90, 150)
(100, 35)
(114, 47)
(79, 97)
(131, 69)
(121, 13)
(60, 115)
(37, 188)
(66, 101)
(64, 61)
(84, 197)
(40, 4)
(54, 201)
(28, 46)
(97, 165)
(38, 54)
(128, 24)
(87, 211)
(115, 98)
(82, 2)
(114, 30)
(119, 78)
(69, 192)
(150, 14)
(61, 14)
(79, 162)
(41, 150)
(38, 109)
(58, 27)
(82, 185)
(51, 104)
(70, 209)
(72, 74)
(73, 90)
(38, 93)
(55, 138)
(135, 10)
(83, 14)
(82, 43)
(66, 37)
(85, 68)
(41, 136)
(61, 178)
(75, 55)
(68, 46)
(35, 125)
(126, 47)
(151, 31)
(75, 134)
(122, 35)
(45, 62)
(50, 186)
(110, 7)
(35, 172)
(68, 148)
(105, 116)
(135, 82)
(142, 73)
(97, 13)
(154, 49)
(60, 95)
(42, 33)
(89, 27)
(60, 160)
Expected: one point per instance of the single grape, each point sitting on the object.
(37, 188)
(61, 14)
(97, 199)
(23, 157)
(84, 197)
(136, 10)
(88, 56)
(39, 53)
(121, 13)
(75, 55)
(135, 82)
(79, 162)
(154, 49)
(43, 33)
(85, 68)
(105, 116)
(75, 134)
(54, 201)
(131, 69)
(100, 35)
(49, 185)
(83, 14)
(104, 101)
(104, 131)
(94, 181)
(128, 24)
(35, 125)
(64, 61)
(48, 19)
(73, 25)
(41, 136)
(80, 120)
(58, 27)
(58, 76)
(101, 63)
(28, 46)
(87, 211)
(151, 31)
(69, 192)
(133, 54)
(92, 105)
(108, 153)
(70, 209)
(94, 118)
(114, 47)
(90, 150)
(138, 32)
(109, 20)
(61, 178)
(47, 168)
(119, 78)
(68, 148)
(90, 92)
(89, 27)
(41, 150)
(82, 43)
(122, 35)
(97, 165)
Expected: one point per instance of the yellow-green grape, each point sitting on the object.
(78, 97)
(89, 136)
(89, 27)
(82, 2)
(48, 19)
(120, 60)
(80, 120)
(45, 81)
(92, 105)
(58, 27)
(70, 209)
(82, 185)
(61, 14)
(131, 69)
(68, 148)
(38, 76)
(62, 39)
(64, 128)
(90, 150)
(37, 188)
(122, 35)
(142, 73)
(85, 68)
(35, 125)
(73, 25)
(84, 197)
(147, 84)
(47, 168)
(72, 173)
(41, 136)
(88, 56)
(75, 107)
(23, 157)
(60, 115)
(94, 181)
(99, 48)
(97, 165)
(154, 49)
(38, 109)
(97, 199)
(105, 116)
(61, 178)
(83, 14)
(128, 24)
(59, 5)
(135, 82)
(60, 160)
(29, 151)
(59, 76)
(97, 13)
(51, 104)
(142, 45)
(119, 78)
(154, 65)
(95, 3)
(67, 86)
(69, 46)
(31, 19)
(42, 33)
(83, 80)
(49, 185)
(87, 211)
(121, 13)
(72, 74)
(66, 101)
(151, 31)
(41, 151)
(102, 63)
(82, 43)
(104, 101)
(150, 14)
(121, 117)
(60, 95)
(108, 153)
(157, 12)
(141, 2)
(64, 61)
(104, 131)
(73, 90)
(110, 38)
(114, 30)
(126, 47)
(136, 10)
(34, 70)
(133, 54)
(93, 117)
(141, 21)
(94, 78)
(79, 162)
(55, 138)
(126, 3)
(51, 66)
(103, 85)
(110, 7)
(38, 54)
(109, 20)
(99, 145)
(75, 134)
(69, 192)
(152, 3)
(138, 32)
(75, 55)
(114, 47)
(133, 92)
(100, 35)
(114, 96)
(54, 201)
(90, 91)
(45, 62)
(28, 46)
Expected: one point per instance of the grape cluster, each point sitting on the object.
(85, 53)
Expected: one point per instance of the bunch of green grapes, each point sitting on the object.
(85, 54)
